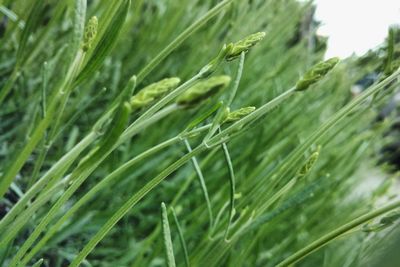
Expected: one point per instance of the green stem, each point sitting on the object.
(130, 203)
(218, 138)
(8, 85)
(24, 217)
(56, 171)
(79, 175)
(232, 188)
(38, 133)
(324, 240)
(181, 238)
(92, 192)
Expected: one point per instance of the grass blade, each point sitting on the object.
(169, 250)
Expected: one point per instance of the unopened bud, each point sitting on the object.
(90, 33)
(316, 73)
(203, 90)
(238, 114)
(244, 45)
(153, 92)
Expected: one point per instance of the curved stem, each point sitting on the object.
(79, 175)
(324, 240)
(100, 186)
(130, 203)
(55, 171)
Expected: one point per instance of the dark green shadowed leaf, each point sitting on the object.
(30, 27)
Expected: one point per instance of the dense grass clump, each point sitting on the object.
(190, 133)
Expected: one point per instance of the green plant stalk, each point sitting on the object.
(237, 126)
(130, 203)
(232, 189)
(8, 85)
(54, 129)
(57, 170)
(80, 174)
(216, 125)
(297, 154)
(228, 102)
(181, 238)
(218, 139)
(282, 191)
(101, 185)
(40, 130)
(42, 147)
(25, 216)
(182, 37)
(145, 117)
(31, 22)
(326, 239)
(87, 165)
(202, 184)
(176, 199)
(319, 133)
(61, 166)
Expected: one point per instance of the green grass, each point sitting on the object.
(223, 110)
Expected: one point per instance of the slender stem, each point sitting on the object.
(79, 175)
(228, 102)
(130, 203)
(232, 188)
(324, 240)
(181, 238)
(23, 218)
(8, 85)
(92, 192)
(38, 133)
(218, 138)
(182, 37)
(55, 171)
(202, 182)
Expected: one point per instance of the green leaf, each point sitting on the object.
(30, 27)
(169, 250)
(106, 43)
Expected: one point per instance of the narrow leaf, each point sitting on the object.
(169, 250)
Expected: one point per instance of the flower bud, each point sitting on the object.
(203, 90)
(244, 45)
(90, 33)
(316, 73)
(153, 92)
(309, 164)
(238, 114)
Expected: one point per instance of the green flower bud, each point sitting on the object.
(203, 90)
(238, 114)
(390, 218)
(153, 92)
(244, 45)
(309, 164)
(386, 221)
(90, 33)
(316, 73)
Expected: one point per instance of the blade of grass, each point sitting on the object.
(202, 184)
(169, 250)
(181, 238)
